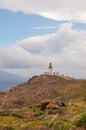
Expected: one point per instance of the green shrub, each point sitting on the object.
(17, 115)
(33, 107)
(80, 120)
(58, 125)
(9, 128)
(4, 113)
(6, 128)
(68, 126)
(39, 113)
(47, 123)
(9, 113)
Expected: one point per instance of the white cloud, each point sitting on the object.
(52, 43)
(45, 27)
(66, 49)
(16, 57)
(54, 9)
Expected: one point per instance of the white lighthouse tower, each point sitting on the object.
(50, 69)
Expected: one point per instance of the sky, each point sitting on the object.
(35, 33)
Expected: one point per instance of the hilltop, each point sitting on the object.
(63, 97)
(40, 88)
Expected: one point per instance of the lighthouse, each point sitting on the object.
(50, 69)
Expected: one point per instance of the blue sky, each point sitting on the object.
(34, 33)
(17, 25)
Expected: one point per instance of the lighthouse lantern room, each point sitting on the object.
(50, 69)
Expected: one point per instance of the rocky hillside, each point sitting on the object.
(43, 87)
(45, 102)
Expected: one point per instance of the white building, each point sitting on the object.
(50, 70)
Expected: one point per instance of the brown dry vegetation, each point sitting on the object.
(64, 100)
(40, 88)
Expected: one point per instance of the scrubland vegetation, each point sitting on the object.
(68, 112)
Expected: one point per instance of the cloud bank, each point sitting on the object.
(66, 49)
(74, 10)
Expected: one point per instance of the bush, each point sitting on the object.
(69, 126)
(58, 125)
(6, 128)
(9, 113)
(33, 107)
(4, 113)
(17, 115)
(39, 113)
(9, 128)
(80, 120)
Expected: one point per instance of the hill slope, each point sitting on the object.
(45, 102)
(43, 87)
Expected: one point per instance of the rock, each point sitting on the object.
(43, 105)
